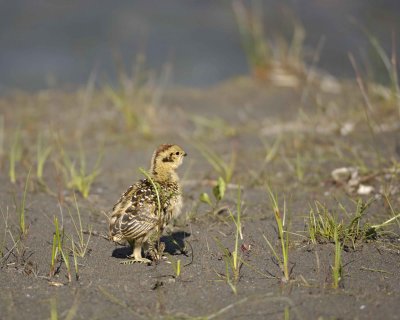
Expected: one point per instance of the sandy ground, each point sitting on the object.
(276, 137)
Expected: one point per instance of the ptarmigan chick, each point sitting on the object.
(148, 206)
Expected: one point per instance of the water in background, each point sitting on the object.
(47, 43)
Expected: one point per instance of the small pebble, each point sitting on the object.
(365, 190)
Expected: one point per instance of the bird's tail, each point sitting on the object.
(114, 229)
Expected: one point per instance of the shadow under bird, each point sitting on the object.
(143, 211)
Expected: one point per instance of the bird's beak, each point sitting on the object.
(185, 154)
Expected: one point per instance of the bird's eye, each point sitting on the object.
(177, 153)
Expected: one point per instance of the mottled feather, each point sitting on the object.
(135, 214)
(140, 214)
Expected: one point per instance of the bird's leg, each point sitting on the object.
(136, 256)
(161, 248)
(156, 249)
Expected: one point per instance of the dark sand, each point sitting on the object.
(245, 118)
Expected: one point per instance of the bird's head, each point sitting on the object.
(166, 158)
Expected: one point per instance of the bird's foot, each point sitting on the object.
(156, 254)
(136, 260)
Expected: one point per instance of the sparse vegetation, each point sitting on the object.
(21, 209)
(272, 150)
(323, 224)
(80, 247)
(77, 176)
(337, 267)
(296, 166)
(138, 95)
(42, 154)
(232, 259)
(395, 217)
(211, 128)
(58, 251)
(225, 172)
(54, 249)
(390, 64)
(218, 194)
(57, 244)
(15, 155)
(12, 241)
(224, 169)
(262, 52)
(348, 234)
(232, 268)
(283, 235)
(74, 255)
(176, 265)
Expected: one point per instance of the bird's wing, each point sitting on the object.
(135, 214)
(136, 196)
(137, 222)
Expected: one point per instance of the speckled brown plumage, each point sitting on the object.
(137, 217)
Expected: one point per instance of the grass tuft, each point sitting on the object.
(21, 211)
(232, 259)
(78, 177)
(218, 193)
(395, 217)
(283, 235)
(337, 267)
(138, 95)
(225, 172)
(250, 23)
(42, 154)
(390, 63)
(176, 265)
(264, 53)
(212, 127)
(80, 247)
(74, 254)
(58, 251)
(15, 155)
(224, 169)
(322, 224)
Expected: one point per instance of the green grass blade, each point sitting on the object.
(23, 228)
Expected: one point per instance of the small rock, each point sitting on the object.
(365, 190)
(347, 128)
(56, 284)
(342, 175)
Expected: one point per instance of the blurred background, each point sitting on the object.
(46, 44)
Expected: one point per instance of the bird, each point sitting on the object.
(146, 207)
